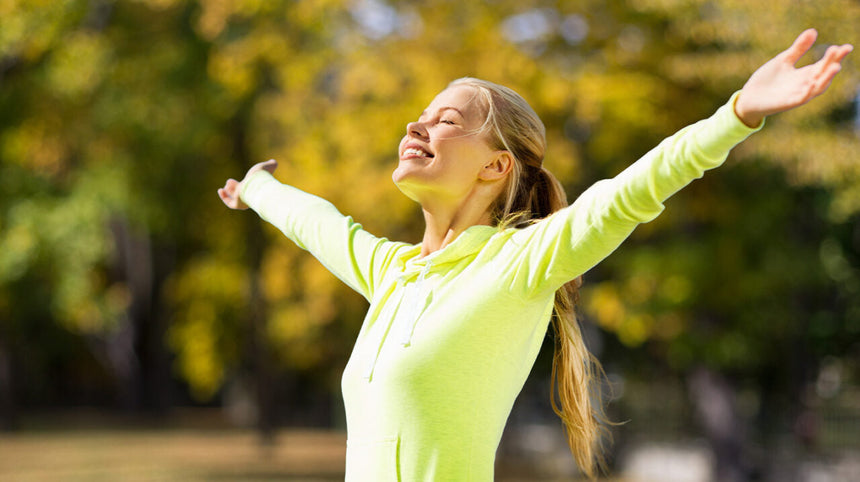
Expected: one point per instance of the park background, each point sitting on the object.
(149, 333)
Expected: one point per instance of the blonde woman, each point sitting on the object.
(455, 322)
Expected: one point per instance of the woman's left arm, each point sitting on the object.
(573, 240)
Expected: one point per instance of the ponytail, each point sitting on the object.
(576, 374)
(575, 393)
(533, 193)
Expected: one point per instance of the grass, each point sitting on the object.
(92, 447)
(170, 455)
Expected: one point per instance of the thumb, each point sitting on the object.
(801, 45)
(270, 166)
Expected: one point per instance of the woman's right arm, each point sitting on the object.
(352, 254)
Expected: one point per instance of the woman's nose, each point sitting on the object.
(416, 129)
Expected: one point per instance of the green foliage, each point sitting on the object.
(206, 296)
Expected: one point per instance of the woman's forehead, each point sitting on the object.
(462, 98)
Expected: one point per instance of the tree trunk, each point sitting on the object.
(714, 400)
(261, 357)
(8, 407)
(136, 352)
(152, 325)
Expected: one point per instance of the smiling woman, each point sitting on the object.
(448, 165)
(455, 322)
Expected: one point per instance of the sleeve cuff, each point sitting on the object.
(731, 104)
(252, 185)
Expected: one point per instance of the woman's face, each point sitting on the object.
(442, 154)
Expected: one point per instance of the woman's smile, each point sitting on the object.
(412, 150)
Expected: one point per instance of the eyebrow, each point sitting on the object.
(442, 109)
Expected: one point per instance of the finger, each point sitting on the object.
(801, 45)
(844, 50)
(823, 81)
(270, 165)
(225, 198)
(833, 54)
(829, 66)
(830, 56)
(225, 195)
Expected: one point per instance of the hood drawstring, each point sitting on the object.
(417, 295)
(412, 298)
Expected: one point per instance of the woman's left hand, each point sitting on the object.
(777, 86)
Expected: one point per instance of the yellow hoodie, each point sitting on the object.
(449, 339)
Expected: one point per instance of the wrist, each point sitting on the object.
(751, 119)
(251, 184)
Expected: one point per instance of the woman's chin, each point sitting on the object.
(405, 183)
(403, 173)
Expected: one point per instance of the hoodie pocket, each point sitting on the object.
(372, 460)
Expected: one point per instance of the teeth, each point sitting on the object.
(414, 151)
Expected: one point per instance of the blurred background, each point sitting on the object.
(149, 333)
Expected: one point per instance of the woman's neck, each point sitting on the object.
(442, 226)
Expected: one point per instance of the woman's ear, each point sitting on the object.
(499, 167)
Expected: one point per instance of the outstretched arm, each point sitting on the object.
(352, 254)
(777, 86)
(570, 242)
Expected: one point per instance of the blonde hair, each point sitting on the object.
(533, 193)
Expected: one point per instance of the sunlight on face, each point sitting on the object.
(443, 151)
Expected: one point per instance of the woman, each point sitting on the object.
(455, 323)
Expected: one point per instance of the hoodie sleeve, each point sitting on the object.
(355, 256)
(574, 239)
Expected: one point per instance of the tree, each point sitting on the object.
(118, 120)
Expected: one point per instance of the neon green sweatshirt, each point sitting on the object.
(449, 339)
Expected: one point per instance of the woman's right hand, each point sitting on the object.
(778, 86)
(232, 188)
